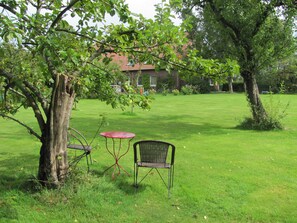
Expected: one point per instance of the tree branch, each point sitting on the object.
(50, 65)
(11, 10)
(268, 9)
(32, 3)
(21, 85)
(261, 20)
(175, 64)
(16, 92)
(100, 51)
(78, 34)
(111, 46)
(60, 15)
(236, 32)
(36, 92)
(30, 130)
(8, 8)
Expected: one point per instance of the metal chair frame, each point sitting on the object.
(82, 145)
(153, 154)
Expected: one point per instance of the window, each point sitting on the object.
(139, 81)
(153, 81)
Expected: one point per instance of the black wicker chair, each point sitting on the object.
(154, 155)
(78, 142)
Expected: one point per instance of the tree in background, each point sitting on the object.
(255, 33)
(282, 72)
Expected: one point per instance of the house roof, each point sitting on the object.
(126, 65)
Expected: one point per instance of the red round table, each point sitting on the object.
(116, 153)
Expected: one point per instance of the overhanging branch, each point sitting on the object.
(78, 34)
(60, 15)
(11, 10)
(8, 8)
(236, 32)
(36, 92)
(28, 94)
(30, 130)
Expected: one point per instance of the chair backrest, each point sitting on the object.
(152, 151)
(76, 140)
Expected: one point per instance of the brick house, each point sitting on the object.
(135, 72)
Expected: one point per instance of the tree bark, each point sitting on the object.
(253, 97)
(53, 163)
(230, 84)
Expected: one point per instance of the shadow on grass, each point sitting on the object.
(14, 172)
(7, 212)
(122, 181)
(125, 183)
(14, 175)
(155, 126)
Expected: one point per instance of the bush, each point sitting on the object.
(165, 89)
(275, 113)
(165, 92)
(203, 87)
(152, 91)
(268, 123)
(187, 90)
(168, 81)
(175, 92)
(200, 85)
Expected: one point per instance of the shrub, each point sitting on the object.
(268, 123)
(152, 91)
(169, 81)
(187, 90)
(200, 85)
(203, 87)
(275, 113)
(175, 92)
(165, 92)
(165, 89)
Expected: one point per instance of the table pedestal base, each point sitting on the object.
(115, 167)
(117, 153)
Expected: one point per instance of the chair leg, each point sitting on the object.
(87, 158)
(135, 175)
(170, 179)
(91, 161)
(170, 184)
(172, 175)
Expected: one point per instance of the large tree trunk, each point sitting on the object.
(53, 163)
(253, 96)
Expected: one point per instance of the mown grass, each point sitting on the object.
(223, 174)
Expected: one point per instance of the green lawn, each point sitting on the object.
(222, 174)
